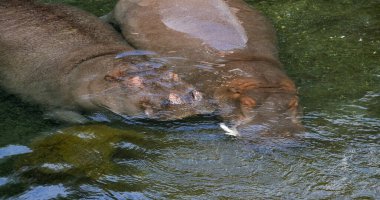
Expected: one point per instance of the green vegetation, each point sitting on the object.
(82, 151)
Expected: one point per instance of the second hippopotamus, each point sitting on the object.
(226, 48)
(68, 60)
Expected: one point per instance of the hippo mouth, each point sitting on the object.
(246, 103)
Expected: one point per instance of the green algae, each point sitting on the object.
(85, 150)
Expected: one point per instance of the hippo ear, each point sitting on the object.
(115, 76)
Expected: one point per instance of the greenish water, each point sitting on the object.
(330, 48)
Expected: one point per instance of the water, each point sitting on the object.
(331, 50)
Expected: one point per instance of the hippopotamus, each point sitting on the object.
(69, 62)
(226, 48)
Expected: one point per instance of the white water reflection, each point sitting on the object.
(45, 192)
(12, 150)
(3, 181)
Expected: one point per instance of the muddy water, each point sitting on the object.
(331, 50)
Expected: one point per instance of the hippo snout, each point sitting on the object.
(175, 99)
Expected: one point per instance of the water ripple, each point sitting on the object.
(45, 192)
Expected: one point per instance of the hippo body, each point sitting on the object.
(212, 31)
(226, 49)
(64, 59)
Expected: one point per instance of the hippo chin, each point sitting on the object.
(229, 53)
(66, 59)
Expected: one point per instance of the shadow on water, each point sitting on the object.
(330, 49)
(19, 121)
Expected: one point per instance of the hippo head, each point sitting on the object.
(145, 89)
(264, 102)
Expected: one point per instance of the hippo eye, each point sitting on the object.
(197, 96)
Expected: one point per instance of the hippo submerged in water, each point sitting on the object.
(227, 50)
(68, 60)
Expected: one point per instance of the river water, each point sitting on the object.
(332, 51)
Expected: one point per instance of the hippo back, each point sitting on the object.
(41, 44)
(67, 59)
(211, 31)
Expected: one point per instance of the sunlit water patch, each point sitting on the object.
(44, 192)
(12, 150)
(3, 181)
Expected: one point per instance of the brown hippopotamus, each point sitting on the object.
(69, 60)
(227, 50)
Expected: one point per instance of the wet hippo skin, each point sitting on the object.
(224, 47)
(65, 59)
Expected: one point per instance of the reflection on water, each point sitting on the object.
(12, 150)
(45, 192)
(331, 50)
(3, 181)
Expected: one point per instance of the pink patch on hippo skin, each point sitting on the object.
(115, 75)
(135, 81)
(293, 103)
(245, 84)
(293, 109)
(288, 85)
(248, 102)
(224, 53)
(175, 99)
(172, 76)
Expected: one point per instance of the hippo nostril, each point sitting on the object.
(174, 77)
(197, 96)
